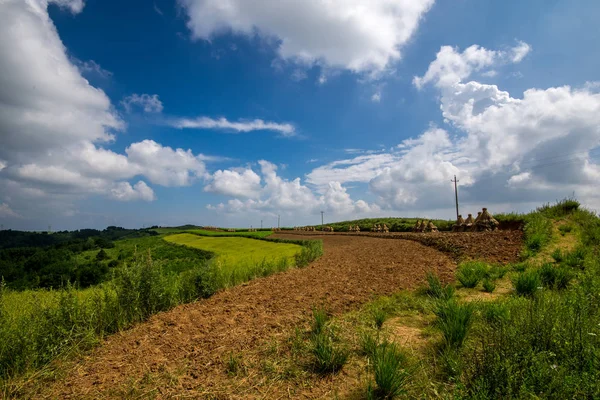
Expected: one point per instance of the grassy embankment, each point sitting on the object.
(526, 330)
(153, 275)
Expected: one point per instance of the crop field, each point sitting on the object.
(505, 314)
(238, 250)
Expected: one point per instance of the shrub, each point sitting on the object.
(527, 283)
(471, 272)
(389, 368)
(436, 290)
(454, 320)
(489, 285)
(560, 209)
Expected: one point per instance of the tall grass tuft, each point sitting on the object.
(436, 290)
(527, 283)
(390, 371)
(471, 272)
(379, 317)
(538, 232)
(488, 285)
(320, 319)
(454, 320)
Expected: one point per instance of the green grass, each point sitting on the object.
(237, 250)
(389, 370)
(453, 320)
(470, 273)
(527, 283)
(488, 285)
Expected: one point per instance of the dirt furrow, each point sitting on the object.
(192, 342)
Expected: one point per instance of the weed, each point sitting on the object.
(488, 285)
(235, 364)
(389, 368)
(558, 255)
(454, 320)
(379, 317)
(527, 283)
(575, 258)
(320, 319)
(451, 363)
(329, 357)
(564, 229)
(497, 272)
(555, 277)
(471, 272)
(436, 290)
(495, 313)
(520, 267)
(368, 343)
(538, 232)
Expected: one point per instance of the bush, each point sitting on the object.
(560, 209)
(436, 290)
(389, 368)
(454, 320)
(527, 283)
(471, 272)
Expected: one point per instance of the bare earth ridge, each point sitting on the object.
(194, 341)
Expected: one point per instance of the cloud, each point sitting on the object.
(148, 103)
(92, 67)
(286, 130)
(157, 10)
(278, 195)
(165, 166)
(508, 150)
(519, 52)
(241, 183)
(123, 191)
(54, 126)
(340, 34)
(451, 67)
(376, 98)
(7, 212)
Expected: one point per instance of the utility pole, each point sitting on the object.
(456, 194)
(322, 212)
(278, 220)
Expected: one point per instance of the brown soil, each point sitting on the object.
(183, 353)
(494, 247)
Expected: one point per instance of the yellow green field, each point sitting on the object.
(240, 259)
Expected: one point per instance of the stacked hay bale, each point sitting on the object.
(459, 226)
(416, 226)
(485, 222)
(385, 229)
(469, 222)
(431, 227)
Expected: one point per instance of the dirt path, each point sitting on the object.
(183, 352)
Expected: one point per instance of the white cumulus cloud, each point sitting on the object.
(359, 36)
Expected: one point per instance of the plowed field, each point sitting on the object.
(183, 352)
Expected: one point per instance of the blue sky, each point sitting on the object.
(184, 111)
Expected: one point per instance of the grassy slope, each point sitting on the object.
(466, 343)
(237, 250)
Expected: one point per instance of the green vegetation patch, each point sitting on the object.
(237, 250)
(255, 234)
